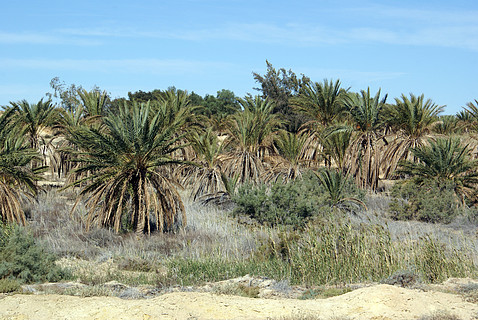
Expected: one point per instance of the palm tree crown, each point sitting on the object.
(321, 102)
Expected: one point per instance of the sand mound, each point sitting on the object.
(376, 302)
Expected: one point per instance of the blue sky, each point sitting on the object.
(428, 47)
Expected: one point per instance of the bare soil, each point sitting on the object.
(374, 302)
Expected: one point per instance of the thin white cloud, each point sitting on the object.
(429, 16)
(374, 24)
(349, 75)
(39, 39)
(457, 37)
(150, 66)
(463, 35)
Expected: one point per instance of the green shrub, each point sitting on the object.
(9, 285)
(428, 203)
(237, 289)
(292, 203)
(23, 259)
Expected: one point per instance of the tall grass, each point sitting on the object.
(333, 253)
(213, 246)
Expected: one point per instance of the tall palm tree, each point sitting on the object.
(444, 161)
(250, 138)
(206, 177)
(124, 162)
(335, 141)
(322, 103)
(290, 160)
(412, 122)
(36, 122)
(94, 102)
(364, 154)
(17, 179)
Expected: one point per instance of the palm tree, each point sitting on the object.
(322, 103)
(206, 177)
(472, 109)
(364, 154)
(334, 183)
(290, 160)
(447, 125)
(35, 122)
(250, 137)
(412, 121)
(335, 141)
(175, 106)
(94, 102)
(465, 120)
(125, 162)
(17, 179)
(444, 161)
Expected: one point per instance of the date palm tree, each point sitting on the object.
(17, 179)
(321, 103)
(335, 183)
(94, 102)
(335, 141)
(36, 122)
(442, 161)
(206, 177)
(412, 121)
(250, 138)
(364, 153)
(290, 160)
(125, 163)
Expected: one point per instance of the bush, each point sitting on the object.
(292, 203)
(429, 203)
(9, 285)
(23, 259)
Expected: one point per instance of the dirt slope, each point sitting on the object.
(377, 302)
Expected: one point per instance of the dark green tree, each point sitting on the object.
(279, 86)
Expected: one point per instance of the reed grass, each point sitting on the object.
(337, 249)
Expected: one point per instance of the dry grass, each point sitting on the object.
(214, 246)
(440, 315)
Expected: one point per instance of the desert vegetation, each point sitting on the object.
(308, 183)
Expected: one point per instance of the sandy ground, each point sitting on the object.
(376, 302)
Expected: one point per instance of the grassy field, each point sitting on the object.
(336, 249)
